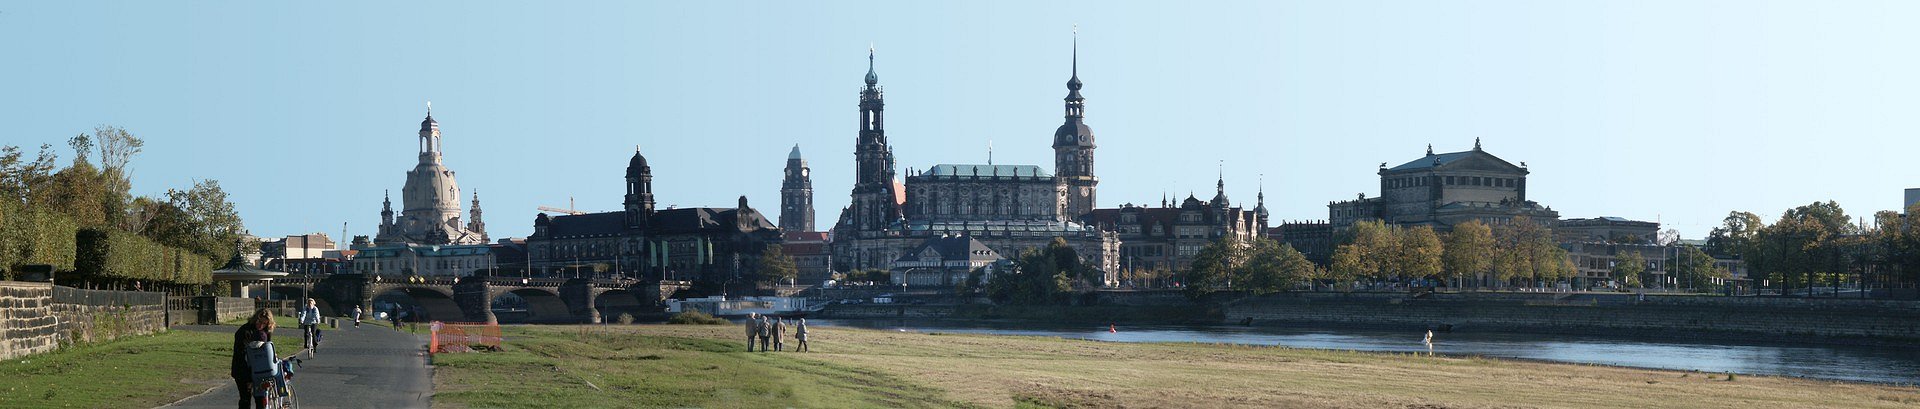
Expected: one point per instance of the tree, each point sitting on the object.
(1365, 254)
(776, 267)
(19, 179)
(1468, 250)
(1041, 276)
(1628, 267)
(1735, 235)
(1215, 267)
(1526, 250)
(1695, 269)
(1416, 253)
(1274, 267)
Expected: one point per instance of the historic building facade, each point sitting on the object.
(711, 247)
(431, 215)
(1008, 208)
(796, 195)
(1439, 190)
(943, 262)
(1165, 238)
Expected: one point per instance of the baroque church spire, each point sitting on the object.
(1073, 143)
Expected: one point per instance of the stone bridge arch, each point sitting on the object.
(544, 304)
(436, 303)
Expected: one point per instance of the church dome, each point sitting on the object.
(637, 165)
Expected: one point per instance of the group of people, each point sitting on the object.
(769, 332)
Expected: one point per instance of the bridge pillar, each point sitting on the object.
(342, 292)
(475, 297)
(578, 294)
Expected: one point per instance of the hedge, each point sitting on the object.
(32, 237)
(125, 256)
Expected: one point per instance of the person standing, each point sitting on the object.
(800, 334)
(779, 334)
(753, 330)
(766, 332)
(356, 316)
(257, 329)
(310, 326)
(1429, 342)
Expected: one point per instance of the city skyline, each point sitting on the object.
(1610, 105)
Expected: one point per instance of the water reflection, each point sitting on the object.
(1869, 364)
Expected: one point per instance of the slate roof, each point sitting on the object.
(587, 225)
(1432, 161)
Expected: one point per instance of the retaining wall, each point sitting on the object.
(27, 324)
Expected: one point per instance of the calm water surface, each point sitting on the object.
(1869, 364)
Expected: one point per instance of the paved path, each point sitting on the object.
(366, 367)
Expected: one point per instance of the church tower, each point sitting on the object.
(639, 200)
(431, 199)
(1073, 147)
(874, 207)
(796, 195)
(473, 221)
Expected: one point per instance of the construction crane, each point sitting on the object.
(569, 210)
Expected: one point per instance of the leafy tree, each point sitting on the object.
(19, 178)
(77, 191)
(1215, 267)
(1628, 268)
(1366, 252)
(1416, 253)
(1735, 235)
(1274, 267)
(776, 267)
(1696, 270)
(1468, 250)
(1526, 250)
(1041, 276)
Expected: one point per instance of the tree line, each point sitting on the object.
(1816, 248)
(83, 218)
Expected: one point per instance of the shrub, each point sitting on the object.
(696, 318)
(624, 318)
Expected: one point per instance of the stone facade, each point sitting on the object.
(1440, 190)
(27, 324)
(1166, 238)
(431, 215)
(796, 194)
(1009, 208)
(943, 262)
(710, 245)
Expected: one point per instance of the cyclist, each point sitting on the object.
(310, 326)
(257, 329)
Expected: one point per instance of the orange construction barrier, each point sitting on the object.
(462, 337)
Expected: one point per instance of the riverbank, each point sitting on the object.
(672, 365)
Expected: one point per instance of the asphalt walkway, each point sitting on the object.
(366, 367)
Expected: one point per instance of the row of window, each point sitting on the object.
(1417, 181)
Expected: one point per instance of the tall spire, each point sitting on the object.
(1073, 83)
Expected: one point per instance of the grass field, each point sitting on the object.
(707, 366)
(133, 372)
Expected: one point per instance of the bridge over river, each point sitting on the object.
(470, 299)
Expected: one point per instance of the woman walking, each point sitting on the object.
(800, 334)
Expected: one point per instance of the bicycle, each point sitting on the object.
(278, 391)
(310, 339)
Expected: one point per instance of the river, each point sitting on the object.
(1833, 362)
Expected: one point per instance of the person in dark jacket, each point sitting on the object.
(259, 328)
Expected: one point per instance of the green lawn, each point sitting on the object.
(584, 367)
(133, 372)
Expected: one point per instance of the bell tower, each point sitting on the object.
(1073, 146)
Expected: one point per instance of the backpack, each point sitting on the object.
(261, 360)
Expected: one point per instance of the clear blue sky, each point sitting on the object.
(1677, 110)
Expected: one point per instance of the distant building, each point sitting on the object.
(1313, 238)
(1008, 208)
(431, 215)
(1913, 196)
(1607, 229)
(1440, 190)
(1595, 261)
(796, 194)
(1166, 238)
(453, 260)
(812, 259)
(711, 246)
(942, 262)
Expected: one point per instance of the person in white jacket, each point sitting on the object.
(310, 326)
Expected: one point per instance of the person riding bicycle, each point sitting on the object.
(257, 329)
(310, 324)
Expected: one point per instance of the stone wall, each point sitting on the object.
(100, 315)
(1757, 319)
(27, 324)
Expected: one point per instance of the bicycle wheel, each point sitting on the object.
(287, 398)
